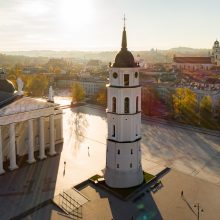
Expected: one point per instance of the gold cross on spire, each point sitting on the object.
(124, 18)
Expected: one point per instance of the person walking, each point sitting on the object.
(88, 152)
(64, 169)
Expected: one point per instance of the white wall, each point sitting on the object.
(127, 127)
(120, 95)
(190, 66)
(119, 81)
(125, 158)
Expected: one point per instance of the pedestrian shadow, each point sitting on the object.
(187, 203)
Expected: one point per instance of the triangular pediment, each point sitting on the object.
(25, 104)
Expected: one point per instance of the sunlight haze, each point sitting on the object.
(97, 24)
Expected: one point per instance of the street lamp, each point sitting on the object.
(199, 210)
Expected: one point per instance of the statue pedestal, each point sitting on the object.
(20, 93)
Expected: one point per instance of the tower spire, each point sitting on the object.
(124, 37)
(124, 21)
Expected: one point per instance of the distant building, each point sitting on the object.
(28, 126)
(34, 70)
(90, 85)
(199, 63)
(93, 63)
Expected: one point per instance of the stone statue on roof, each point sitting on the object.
(20, 84)
(51, 94)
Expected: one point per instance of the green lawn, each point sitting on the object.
(95, 178)
(124, 193)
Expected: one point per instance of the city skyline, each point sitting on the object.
(96, 25)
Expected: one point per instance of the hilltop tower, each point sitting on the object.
(123, 156)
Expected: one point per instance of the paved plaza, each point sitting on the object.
(166, 203)
(83, 155)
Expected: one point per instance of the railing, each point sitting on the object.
(70, 206)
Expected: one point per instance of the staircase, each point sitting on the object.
(71, 202)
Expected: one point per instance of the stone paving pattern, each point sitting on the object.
(190, 152)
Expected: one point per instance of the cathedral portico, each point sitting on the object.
(28, 125)
(42, 139)
(30, 142)
(12, 151)
(52, 143)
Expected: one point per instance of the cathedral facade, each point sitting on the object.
(199, 63)
(29, 127)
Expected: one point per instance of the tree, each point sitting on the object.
(206, 107)
(78, 93)
(102, 97)
(148, 101)
(36, 85)
(218, 109)
(185, 105)
(205, 111)
(57, 70)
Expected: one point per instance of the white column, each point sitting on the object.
(1, 154)
(52, 142)
(61, 126)
(12, 151)
(42, 139)
(30, 142)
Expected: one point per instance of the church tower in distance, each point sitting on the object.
(123, 156)
(216, 53)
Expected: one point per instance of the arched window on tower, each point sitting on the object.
(114, 104)
(126, 79)
(113, 132)
(136, 104)
(126, 105)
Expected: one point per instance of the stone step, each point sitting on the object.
(70, 201)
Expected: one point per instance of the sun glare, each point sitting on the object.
(76, 14)
(34, 8)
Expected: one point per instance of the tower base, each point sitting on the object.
(123, 179)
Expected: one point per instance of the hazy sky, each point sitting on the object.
(97, 24)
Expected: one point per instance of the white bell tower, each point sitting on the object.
(123, 156)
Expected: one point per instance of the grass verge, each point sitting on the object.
(126, 192)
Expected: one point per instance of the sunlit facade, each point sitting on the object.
(28, 127)
(123, 156)
(199, 63)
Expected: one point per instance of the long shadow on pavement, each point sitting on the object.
(134, 209)
(27, 187)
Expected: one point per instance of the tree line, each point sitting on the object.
(183, 106)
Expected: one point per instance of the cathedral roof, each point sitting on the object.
(6, 98)
(193, 60)
(124, 58)
(6, 86)
(7, 90)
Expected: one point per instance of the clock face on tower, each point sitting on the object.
(115, 75)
